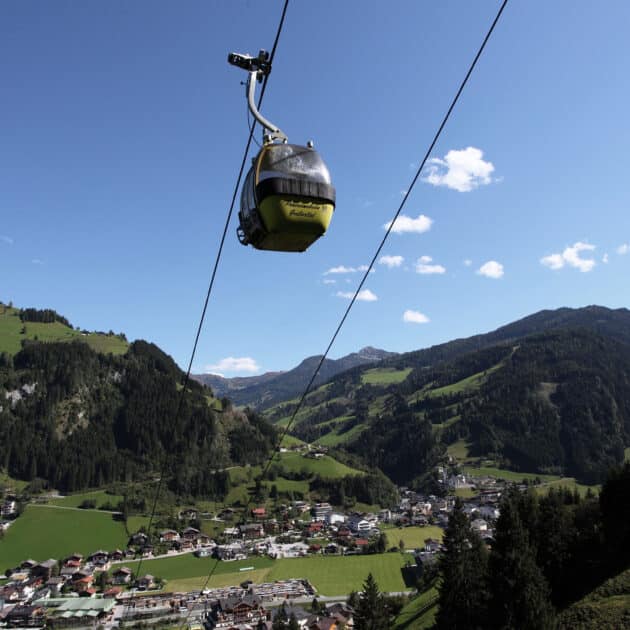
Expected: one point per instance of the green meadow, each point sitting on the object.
(384, 376)
(13, 331)
(334, 575)
(43, 532)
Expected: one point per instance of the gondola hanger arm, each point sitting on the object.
(257, 67)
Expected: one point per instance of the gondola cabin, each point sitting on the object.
(287, 199)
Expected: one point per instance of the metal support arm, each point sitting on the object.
(275, 132)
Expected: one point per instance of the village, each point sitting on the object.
(101, 588)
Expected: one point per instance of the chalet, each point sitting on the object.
(191, 533)
(28, 564)
(82, 584)
(74, 560)
(55, 585)
(117, 555)
(100, 559)
(344, 532)
(333, 518)
(26, 616)
(169, 535)
(45, 569)
(385, 516)
(259, 512)
(479, 525)
(8, 509)
(320, 510)
(122, 576)
(146, 582)
(315, 527)
(188, 514)
(4, 525)
(432, 545)
(235, 610)
(252, 530)
(232, 551)
(358, 524)
(315, 622)
(138, 538)
(231, 532)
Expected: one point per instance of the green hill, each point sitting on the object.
(606, 608)
(16, 329)
(547, 395)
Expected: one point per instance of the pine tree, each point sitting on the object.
(463, 565)
(371, 613)
(520, 594)
(281, 619)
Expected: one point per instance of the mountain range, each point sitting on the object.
(267, 389)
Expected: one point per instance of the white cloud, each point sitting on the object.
(467, 262)
(622, 250)
(329, 281)
(344, 269)
(406, 224)
(571, 257)
(491, 269)
(415, 317)
(605, 258)
(391, 261)
(37, 261)
(6, 239)
(340, 269)
(553, 261)
(460, 170)
(233, 364)
(363, 296)
(424, 266)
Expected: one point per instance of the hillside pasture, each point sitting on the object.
(100, 498)
(44, 532)
(412, 537)
(384, 376)
(13, 331)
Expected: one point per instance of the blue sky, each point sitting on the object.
(123, 127)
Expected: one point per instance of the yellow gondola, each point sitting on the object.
(288, 199)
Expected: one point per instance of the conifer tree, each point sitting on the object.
(463, 565)
(371, 613)
(520, 593)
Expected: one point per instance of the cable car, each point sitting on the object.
(288, 199)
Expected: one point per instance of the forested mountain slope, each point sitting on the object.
(79, 418)
(556, 401)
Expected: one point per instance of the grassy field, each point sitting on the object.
(627, 454)
(9, 482)
(330, 575)
(384, 376)
(326, 466)
(471, 382)
(412, 617)
(508, 475)
(43, 532)
(339, 575)
(334, 437)
(99, 497)
(13, 331)
(413, 537)
(458, 450)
